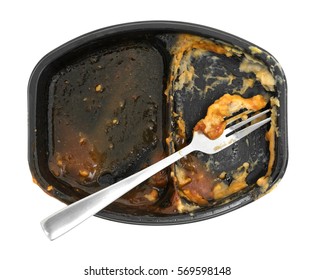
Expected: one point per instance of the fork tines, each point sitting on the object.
(237, 130)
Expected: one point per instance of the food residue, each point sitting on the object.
(214, 123)
(98, 139)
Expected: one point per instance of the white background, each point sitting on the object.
(273, 238)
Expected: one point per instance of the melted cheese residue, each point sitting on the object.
(222, 190)
(214, 123)
(187, 46)
(271, 135)
(247, 83)
(252, 65)
(152, 196)
(195, 184)
(218, 80)
(255, 50)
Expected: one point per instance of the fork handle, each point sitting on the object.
(69, 217)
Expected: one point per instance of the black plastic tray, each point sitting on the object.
(191, 106)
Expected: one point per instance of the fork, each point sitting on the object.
(69, 217)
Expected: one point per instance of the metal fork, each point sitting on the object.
(64, 220)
